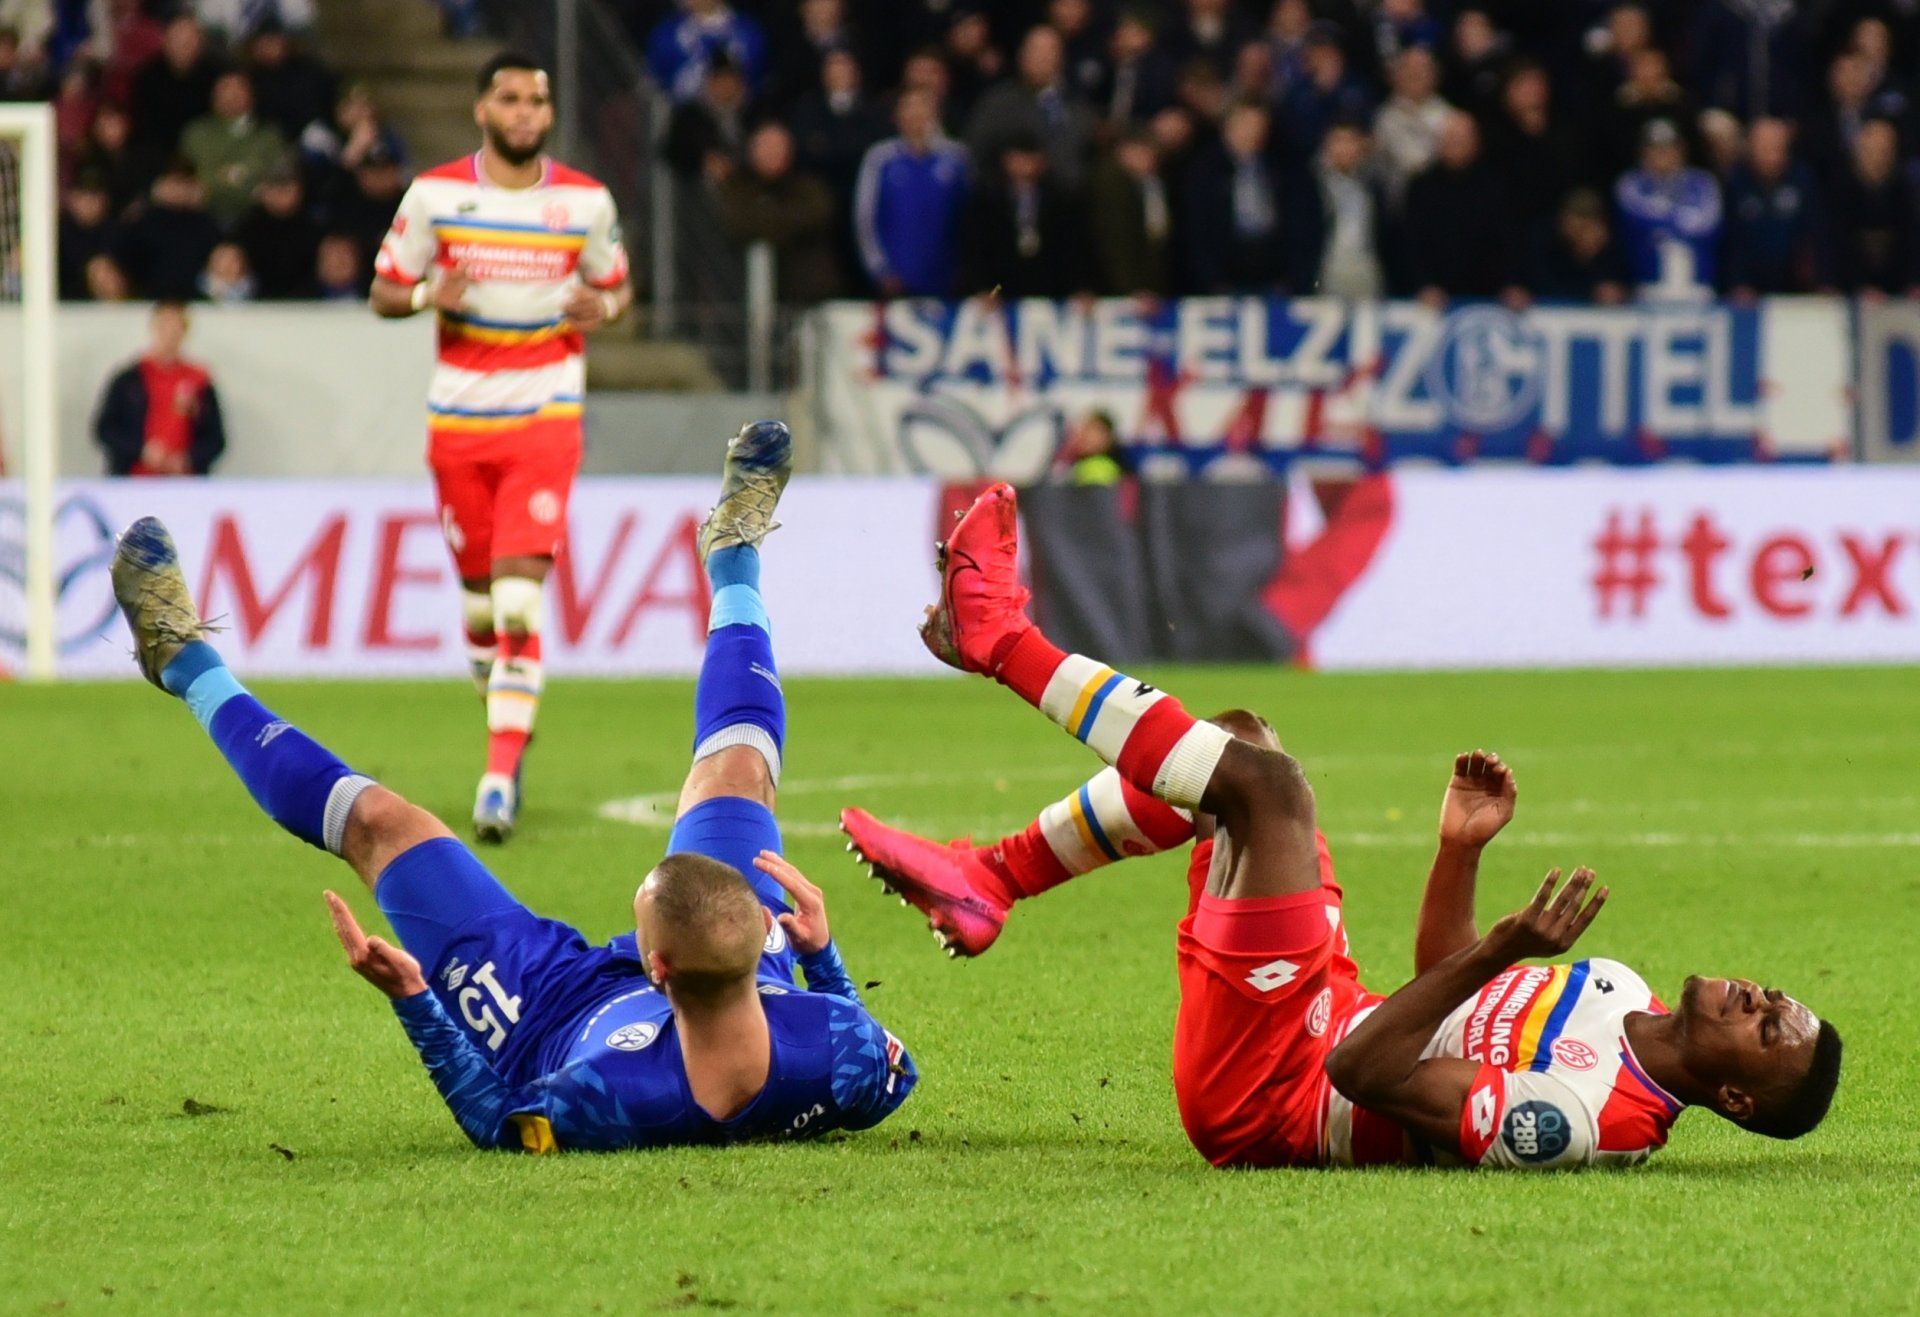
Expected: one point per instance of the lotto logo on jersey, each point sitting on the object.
(1274, 974)
(1536, 1131)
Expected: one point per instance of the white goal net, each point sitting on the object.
(29, 585)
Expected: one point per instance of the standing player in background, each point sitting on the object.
(520, 258)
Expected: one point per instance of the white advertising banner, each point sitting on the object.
(1493, 569)
(350, 578)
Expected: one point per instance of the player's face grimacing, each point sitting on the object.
(516, 114)
(1754, 1045)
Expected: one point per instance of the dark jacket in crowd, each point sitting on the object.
(165, 250)
(1771, 239)
(1132, 237)
(1457, 237)
(1031, 245)
(1233, 225)
(797, 214)
(1876, 235)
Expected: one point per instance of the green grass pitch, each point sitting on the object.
(161, 942)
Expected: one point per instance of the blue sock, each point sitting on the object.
(738, 700)
(297, 781)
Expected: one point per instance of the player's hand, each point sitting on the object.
(806, 925)
(1479, 800)
(450, 289)
(586, 309)
(378, 961)
(1550, 924)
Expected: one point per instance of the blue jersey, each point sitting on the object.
(1668, 220)
(621, 1082)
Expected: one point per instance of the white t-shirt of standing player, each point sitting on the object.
(507, 356)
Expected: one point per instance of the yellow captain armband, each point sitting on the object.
(536, 1134)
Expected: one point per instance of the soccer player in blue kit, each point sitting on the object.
(691, 1029)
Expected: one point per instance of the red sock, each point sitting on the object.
(513, 697)
(1158, 746)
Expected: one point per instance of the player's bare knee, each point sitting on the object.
(735, 771)
(382, 825)
(1248, 726)
(1268, 782)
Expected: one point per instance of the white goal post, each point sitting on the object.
(28, 276)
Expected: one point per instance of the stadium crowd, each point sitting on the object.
(1560, 149)
(205, 153)
(1564, 149)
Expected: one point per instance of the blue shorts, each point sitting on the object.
(515, 981)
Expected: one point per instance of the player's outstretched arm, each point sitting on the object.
(1378, 1066)
(480, 1101)
(1479, 802)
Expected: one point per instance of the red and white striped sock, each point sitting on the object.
(1107, 819)
(1156, 745)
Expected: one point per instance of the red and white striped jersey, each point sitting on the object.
(1558, 1084)
(508, 357)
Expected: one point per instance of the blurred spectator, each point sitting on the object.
(291, 89)
(684, 45)
(769, 201)
(1771, 241)
(1458, 239)
(1083, 39)
(228, 279)
(1092, 454)
(366, 207)
(1723, 143)
(172, 91)
(1327, 94)
(1582, 262)
(970, 61)
(1131, 221)
(1036, 103)
(1852, 100)
(1231, 227)
(122, 165)
(23, 74)
(161, 416)
(231, 149)
(1536, 154)
(129, 39)
(832, 129)
(705, 134)
(1649, 94)
(168, 244)
(106, 281)
(1350, 212)
(31, 23)
(1254, 77)
(926, 71)
(1202, 93)
(1876, 220)
(908, 204)
(1138, 77)
(340, 271)
(1628, 31)
(816, 29)
(1747, 56)
(1212, 30)
(280, 237)
(335, 146)
(1669, 217)
(87, 229)
(1287, 28)
(1025, 237)
(1475, 63)
(1407, 129)
(74, 107)
(1401, 25)
(234, 22)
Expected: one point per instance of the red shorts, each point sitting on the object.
(1265, 988)
(504, 494)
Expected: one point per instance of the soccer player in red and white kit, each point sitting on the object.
(1281, 1056)
(519, 257)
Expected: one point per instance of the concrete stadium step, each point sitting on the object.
(616, 361)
